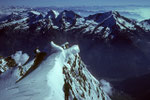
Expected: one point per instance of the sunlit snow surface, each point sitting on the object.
(47, 81)
(20, 58)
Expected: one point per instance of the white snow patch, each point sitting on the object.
(56, 80)
(20, 58)
(35, 12)
(106, 86)
(56, 13)
(126, 24)
(55, 47)
(107, 32)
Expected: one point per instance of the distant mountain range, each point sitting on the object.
(135, 12)
(106, 39)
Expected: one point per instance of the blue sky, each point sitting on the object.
(73, 2)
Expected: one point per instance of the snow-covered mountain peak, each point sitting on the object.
(67, 19)
(78, 83)
(112, 19)
(100, 17)
(34, 16)
(145, 24)
(55, 47)
(34, 13)
(69, 14)
(12, 17)
(147, 21)
(61, 76)
(52, 14)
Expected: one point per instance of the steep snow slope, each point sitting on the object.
(61, 76)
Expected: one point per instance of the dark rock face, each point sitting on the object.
(75, 69)
(6, 63)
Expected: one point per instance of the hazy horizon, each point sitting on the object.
(58, 3)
